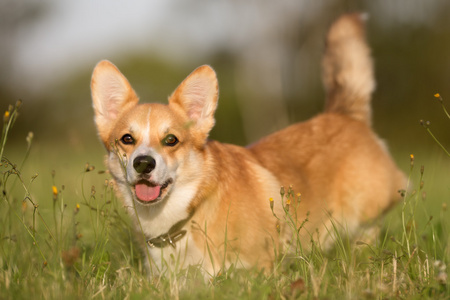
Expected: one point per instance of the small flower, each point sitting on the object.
(425, 124)
(6, 116)
(55, 191)
(291, 189)
(29, 138)
(411, 156)
(271, 203)
(288, 203)
(282, 191)
(77, 208)
(438, 96)
(88, 167)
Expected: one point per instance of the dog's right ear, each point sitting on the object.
(111, 95)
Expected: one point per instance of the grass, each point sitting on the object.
(64, 234)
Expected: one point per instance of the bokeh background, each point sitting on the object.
(266, 53)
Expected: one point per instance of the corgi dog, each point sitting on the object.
(201, 202)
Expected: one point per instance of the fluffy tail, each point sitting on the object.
(348, 69)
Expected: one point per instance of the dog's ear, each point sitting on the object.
(111, 95)
(197, 96)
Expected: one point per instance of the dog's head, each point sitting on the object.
(153, 148)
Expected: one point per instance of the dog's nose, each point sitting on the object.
(144, 164)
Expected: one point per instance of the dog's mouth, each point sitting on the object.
(149, 192)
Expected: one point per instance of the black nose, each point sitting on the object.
(144, 164)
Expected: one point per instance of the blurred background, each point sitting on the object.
(266, 53)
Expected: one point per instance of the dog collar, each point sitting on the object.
(166, 239)
(175, 233)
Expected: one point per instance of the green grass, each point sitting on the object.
(64, 234)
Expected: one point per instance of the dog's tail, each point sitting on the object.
(348, 69)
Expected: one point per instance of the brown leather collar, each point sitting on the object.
(166, 239)
(175, 233)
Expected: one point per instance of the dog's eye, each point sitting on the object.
(170, 140)
(127, 139)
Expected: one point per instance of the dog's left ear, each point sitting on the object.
(197, 96)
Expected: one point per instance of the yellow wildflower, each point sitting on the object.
(55, 191)
(6, 116)
(438, 96)
(271, 203)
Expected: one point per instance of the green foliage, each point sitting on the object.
(73, 240)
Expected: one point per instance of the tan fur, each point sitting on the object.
(342, 170)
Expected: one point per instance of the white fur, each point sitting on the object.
(186, 253)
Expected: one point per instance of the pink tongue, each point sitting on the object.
(147, 193)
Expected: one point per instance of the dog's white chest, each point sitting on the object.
(173, 258)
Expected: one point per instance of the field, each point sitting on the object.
(64, 235)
